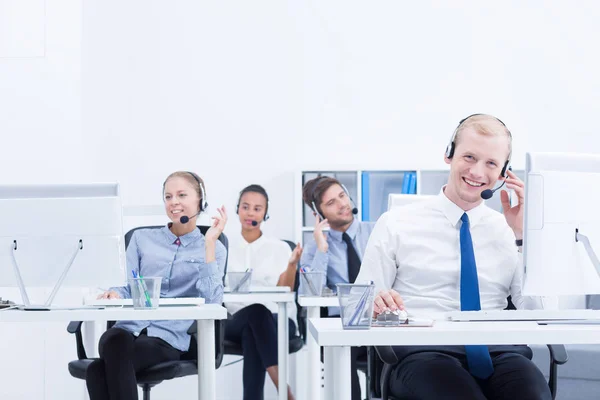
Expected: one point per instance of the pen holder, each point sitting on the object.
(239, 282)
(311, 283)
(145, 292)
(356, 305)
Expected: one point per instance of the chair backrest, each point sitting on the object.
(300, 312)
(203, 229)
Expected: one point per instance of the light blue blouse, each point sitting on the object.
(154, 252)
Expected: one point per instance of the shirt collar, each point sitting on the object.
(257, 242)
(453, 212)
(351, 231)
(185, 239)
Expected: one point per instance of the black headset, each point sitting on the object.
(203, 203)
(254, 189)
(451, 146)
(314, 200)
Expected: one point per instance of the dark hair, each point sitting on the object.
(254, 188)
(313, 191)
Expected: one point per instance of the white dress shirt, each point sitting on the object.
(268, 257)
(415, 250)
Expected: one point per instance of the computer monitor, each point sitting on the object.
(562, 193)
(399, 200)
(69, 234)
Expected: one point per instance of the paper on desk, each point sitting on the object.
(412, 322)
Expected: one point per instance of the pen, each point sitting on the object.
(360, 307)
(142, 288)
(148, 301)
(310, 284)
(243, 280)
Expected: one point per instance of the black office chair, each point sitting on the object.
(295, 343)
(154, 375)
(385, 360)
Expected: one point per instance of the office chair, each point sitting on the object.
(154, 375)
(295, 343)
(385, 360)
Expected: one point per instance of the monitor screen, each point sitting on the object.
(47, 222)
(561, 199)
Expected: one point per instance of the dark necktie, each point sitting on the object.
(353, 260)
(478, 357)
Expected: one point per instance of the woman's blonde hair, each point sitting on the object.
(194, 180)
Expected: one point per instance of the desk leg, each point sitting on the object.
(282, 349)
(89, 344)
(338, 384)
(314, 358)
(206, 360)
(89, 338)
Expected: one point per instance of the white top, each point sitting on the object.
(415, 250)
(329, 332)
(268, 257)
(206, 311)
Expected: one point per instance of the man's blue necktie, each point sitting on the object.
(478, 357)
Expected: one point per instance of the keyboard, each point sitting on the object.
(523, 315)
(162, 302)
(263, 289)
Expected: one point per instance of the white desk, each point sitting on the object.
(337, 341)
(205, 315)
(313, 306)
(281, 298)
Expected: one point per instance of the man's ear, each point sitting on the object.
(447, 160)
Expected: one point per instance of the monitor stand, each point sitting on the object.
(47, 305)
(588, 248)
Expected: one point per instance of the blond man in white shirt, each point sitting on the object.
(418, 256)
(273, 263)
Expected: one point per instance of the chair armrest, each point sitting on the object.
(75, 327)
(219, 339)
(558, 354)
(387, 354)
(219, 342)
(193, 329)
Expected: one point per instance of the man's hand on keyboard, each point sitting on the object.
(387, 300)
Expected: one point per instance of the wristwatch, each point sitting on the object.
(519, 242)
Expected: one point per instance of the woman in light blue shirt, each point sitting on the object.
(190, 264)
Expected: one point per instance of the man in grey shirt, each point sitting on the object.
(339, 253)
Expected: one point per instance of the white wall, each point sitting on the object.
(249, 92)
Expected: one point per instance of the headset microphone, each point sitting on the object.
(184, 219)
(488, 193)
(254, 223)
(355, 211)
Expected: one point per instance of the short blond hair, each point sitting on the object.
(484, 124)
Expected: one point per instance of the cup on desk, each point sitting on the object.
(145, 292)
(311, 283)
(239, 282)
(356, 305)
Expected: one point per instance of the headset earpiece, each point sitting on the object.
(450, 149)
(203, 203)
